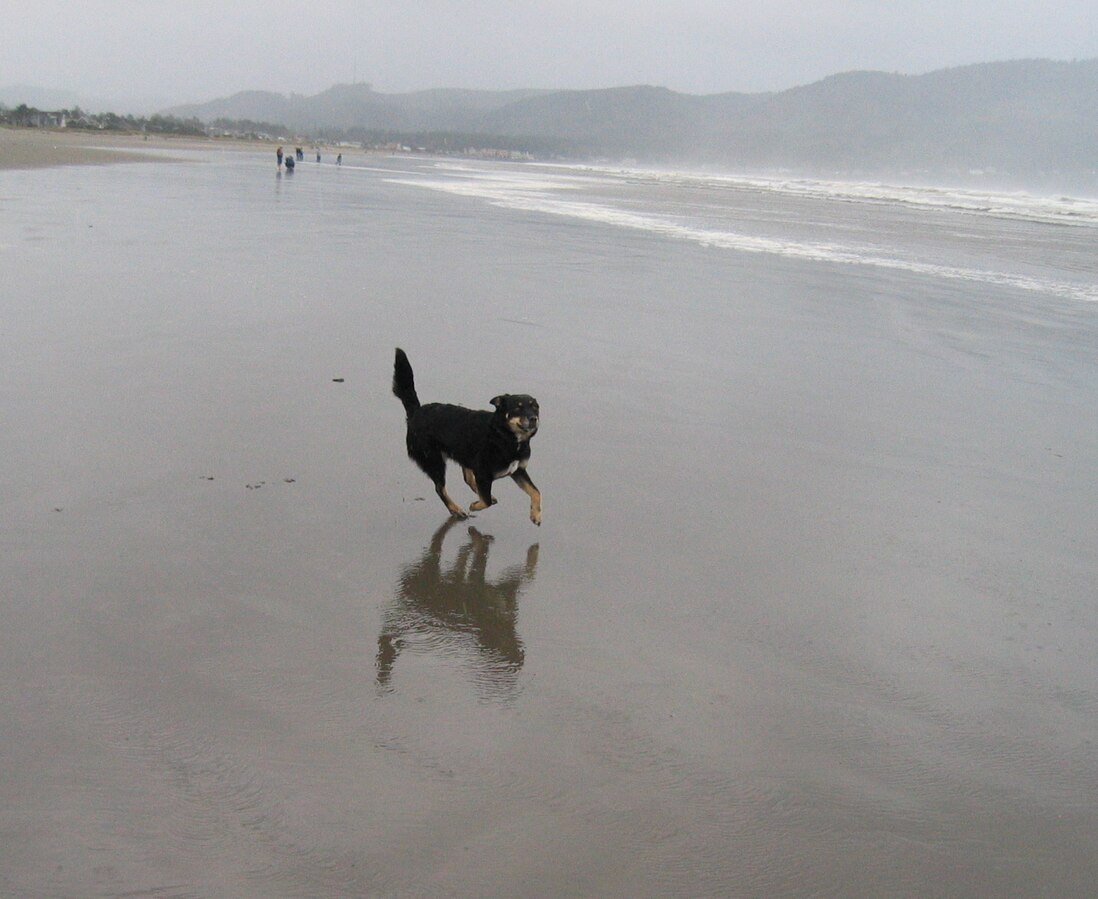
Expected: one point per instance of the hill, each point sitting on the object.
(1022, 119)
(358, 106)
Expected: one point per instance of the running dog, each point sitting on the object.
(487, 445)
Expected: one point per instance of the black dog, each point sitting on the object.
(487, 445)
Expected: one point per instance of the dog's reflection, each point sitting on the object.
(458, 609)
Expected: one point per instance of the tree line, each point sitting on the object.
(30, 117)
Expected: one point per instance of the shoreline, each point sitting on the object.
(247, 652)
(33, 148)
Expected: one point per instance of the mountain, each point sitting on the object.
(348, 106)
(1019, 118)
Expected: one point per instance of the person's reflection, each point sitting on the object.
(458, 608)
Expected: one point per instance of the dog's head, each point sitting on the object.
(519, 412)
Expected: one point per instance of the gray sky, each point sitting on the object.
(194, 50)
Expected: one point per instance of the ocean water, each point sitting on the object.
(885, 227)
(813, 609)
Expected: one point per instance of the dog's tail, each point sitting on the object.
(404, 386)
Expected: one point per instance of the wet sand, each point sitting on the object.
(810, 613)
(22, 148)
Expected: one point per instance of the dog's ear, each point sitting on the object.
(497, 400)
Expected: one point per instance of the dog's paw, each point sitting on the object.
(535, 516)
(459, 513)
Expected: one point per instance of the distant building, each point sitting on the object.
(40, 118)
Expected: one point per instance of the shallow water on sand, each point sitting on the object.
(812, 610)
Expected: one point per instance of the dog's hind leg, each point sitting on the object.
(433, 464)
(455, 509)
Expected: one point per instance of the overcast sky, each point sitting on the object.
(193, 51)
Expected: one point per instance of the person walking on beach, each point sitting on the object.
(318, 156)
(278, 153)
(339, 159)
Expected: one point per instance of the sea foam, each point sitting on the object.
(548, 192)
(1060, 210)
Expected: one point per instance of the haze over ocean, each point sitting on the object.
(812, 610)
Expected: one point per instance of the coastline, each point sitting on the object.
(246, 652)
(26, 148)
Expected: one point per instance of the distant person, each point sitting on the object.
(339, 159)
(278, 153)
(300, 154)
(318, 156)
(289, 165)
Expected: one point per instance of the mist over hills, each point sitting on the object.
(358, 106)
(13, 95)
(1022, 121)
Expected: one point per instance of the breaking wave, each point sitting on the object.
(1058, 210)
(548, 193)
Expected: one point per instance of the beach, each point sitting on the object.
(810, 612)
(22, 148)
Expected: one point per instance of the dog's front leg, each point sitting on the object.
(521, 478)
(470, 478)
(483, 481)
